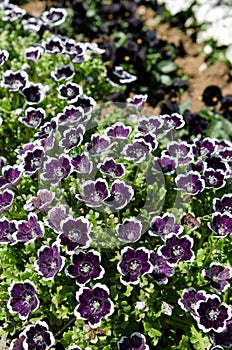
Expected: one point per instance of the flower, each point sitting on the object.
(173, 121)
(94, 193)
(41, 202)
(147, 125)
(17, 344)
(72, 116)
(23, 298)
(4, 55)
(224, 338)
(33, 53)
(32, 24)
(37, 337)
(54, 45)
(118, 131)
(224, 204)
(218, 276)
(111, 169)
(221, 224)
(137, 101)
(164, 226)
(203, 148)
(93, 304)
(28, 231)
(133, 264)
(135, 341)
(55, 217)
(177, 249)
(7, 230)
(75, 232)
(54, 17)
(137, 151)
(70, 91)
(10, 177)
(99, 144)
(49, 261)
(14, 81)
(64, 72)
(124, 77)
(189, 299)
(164, 164)
(6, 200)
(12, 13)
(120, 195)
(161, 268)
(190, 183)
(211, 95)
(214, 178)
(72, 137)
(129, 231)
(212, 315)
(86, 267)
(33, 117)
(180, 151)
(33, 160)
(81, 163)
(149, 139)
(56, 169)
(33, 93)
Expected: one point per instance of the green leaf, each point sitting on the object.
(166, 67)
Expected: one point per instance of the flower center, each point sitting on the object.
(222, 230)
(69, 92)
(85, 268)
(73, 235)
(212, 180)
(36, 163)
(59, 172)
(38, 339)
(177, 251)
(213, 314)
(189, 188)
(95, 306)
(53, 265)
(134, 265)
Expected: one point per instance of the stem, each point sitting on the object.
(65, 326)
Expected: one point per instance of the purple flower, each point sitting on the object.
(14, 81)
(33, 160)
(94, 193)
(111, 169)
(37, 337)
(212, 315)
(87, 103)
(224, 204)
(7, 230)
(12, 13)
(49, 261)
(54, 17)
(165, 164)
(133, 264)
(129, 231)
(151, 124)
(137, 101)
(4, 55)
(99, 144)
(161, 269)
(70, 91)
(75, 232)
(86, 267)
(93, 304)
(33, 53)
(56, 169)
(63, 73)
(215, 162)
(33, 117)
(224, 338)
(72, 137)
(180, 151)
(190, 183)
(54, 45)
(173, 121)
(47, 129)
(177, 249)
(72, 116)
(10, 177)
(81, 163)
(23, 298)
(28, 231)
(149, 139)
(221, 224)
(118, 131)
(136, 341)
(137, 151)
(6, 200)
(214, 178)
(41, 202)
(189, 299)
(226, 155)
(17, 344)
(33, 93)
(124, 77)
(120, 195)
(218, 276)
(203, 148)
(32, 24)
(55, 217)
(164, 226)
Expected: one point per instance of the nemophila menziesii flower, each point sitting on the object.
(33, 93)
(49, 261)
(56, 169)
(215, 347)
(221, 224)
(94, 193)
(41, 202)
(177, 249)
(33, 117)
(224, 338)
(23, 298)
(81, 163)
(54, 17)
(64, 72)
(69, 91)
(181, 151)
(10, 177)
(118, 131)
(74, 47)
(191, 183)
(133, 264)
(4, 55)
(32, 24)
(72, 137)
(173, 121)
(72, 116)
(54, 45)
(149, 139)
(75, 232)
(137, 101)
(211, 314)
(123, 76)
(55, 217)
(164, 164)
(6, 200)
(3, 3)
(17, 344)
(161, 268)
(94, 304)
(99, 144)
(190, 222)
(33, 53)
(164, 226)
(223, 204)
(14, 81)
(47, 128)
(120, 195)
(37, 337)
(214, 178)
(226, 155)
(7, 230)
(29, 230)
(86, 267)
(217, 163)
(137, 151)
(87, 103)
(149, 124)
(218, 276)
(199, 166)
(12, 13)
(129, 231)
(189, 298)
(33, 161)
(111, 169)
(202, 148)
(135, 341)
